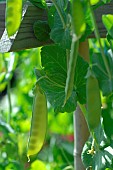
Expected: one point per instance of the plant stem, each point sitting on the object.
(99, 40)
(8, 93)
(65, 157)
(83, 109)
(94, 141)
(59, 12)
(9, 100)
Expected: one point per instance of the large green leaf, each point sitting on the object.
(54, 78)
(80, 80)
(54, 63)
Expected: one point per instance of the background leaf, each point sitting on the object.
(99, 69)
(108, 22)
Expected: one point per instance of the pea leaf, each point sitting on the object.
(105, 83)
(54, 78)
(93, 2)
(100, 160)
(87, 158)
(54, 63)
(107, 114)
(41, 30)
(108, 22)
(106, 1)
(38, 165)
(59, 34)
(80, 80)
(39, 3)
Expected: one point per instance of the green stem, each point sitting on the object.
(99, 40)
(83, 109)
(8, 93)
(59, 12)
(10, 105)
(65, 157)
(94, 141)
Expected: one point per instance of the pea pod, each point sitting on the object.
(38, 123)
(78, 18)
(71, 70)
(13, 16)
(78, 24)
(93, 100)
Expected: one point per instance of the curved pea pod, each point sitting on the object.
(93, 100)
(38, 123)
(13, 16)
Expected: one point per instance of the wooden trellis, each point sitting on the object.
(25, 39)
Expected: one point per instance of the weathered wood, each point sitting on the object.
(2, 18)
(25, 39)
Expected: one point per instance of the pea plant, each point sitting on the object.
(67, 79)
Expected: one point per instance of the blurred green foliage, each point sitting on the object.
(17, 78)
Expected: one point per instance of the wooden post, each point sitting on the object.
(81, 132)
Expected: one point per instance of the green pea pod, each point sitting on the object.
(78, 18)
(38, 123)
(71, 70)
(13, 16)
(78, 24)
(93, 101)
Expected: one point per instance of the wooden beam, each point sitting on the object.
(25, 39)
(2, 18)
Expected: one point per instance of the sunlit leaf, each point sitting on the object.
(93, 2)
(108, 22)
(36, 165)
